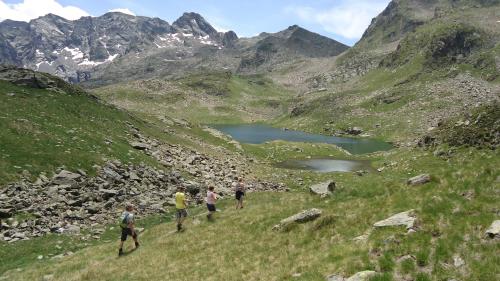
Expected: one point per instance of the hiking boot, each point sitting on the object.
(120, 252)
(179, 227)
(136, 245)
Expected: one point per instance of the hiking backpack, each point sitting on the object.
(123, 222)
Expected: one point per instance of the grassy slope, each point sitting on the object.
(241, 244)
(42, 130)
(208, 98)
(406, 81)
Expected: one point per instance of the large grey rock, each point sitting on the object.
(494, 230)
(108, 193)
(362, 276)
(420, 179)
(111, 174)
(65, 178)
(354, 131)
(140, 145)
(323, 189)
(6, 213)
(335, 277)
(401, 219)
(304, 216)
(73, 230)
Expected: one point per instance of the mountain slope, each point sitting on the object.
(116, 47)
(288, 45)
(46, 125)
(72, 49)
(450, 61)
(452, 215)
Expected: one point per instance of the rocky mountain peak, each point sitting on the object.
(229, 38)
(194, 23)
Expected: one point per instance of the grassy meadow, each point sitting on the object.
(453, 211)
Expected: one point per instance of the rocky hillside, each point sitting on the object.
(271, 51)
(449, 58)
(70, 161)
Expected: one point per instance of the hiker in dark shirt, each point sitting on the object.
(127, 224)
(239, 188)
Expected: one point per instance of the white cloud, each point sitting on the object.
(124, 11)
(348, 18)
(31, 9)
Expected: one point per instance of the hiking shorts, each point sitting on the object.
(211, 207)
(181, 213)
(239, 194)
(128, 232)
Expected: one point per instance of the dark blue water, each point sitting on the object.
(257, 134)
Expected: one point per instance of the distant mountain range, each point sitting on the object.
(117, 46)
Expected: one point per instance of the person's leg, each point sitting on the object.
(178, 220)
(122, 239)
(183, 216)
(136, 240)
(238, 200)
(121, 247)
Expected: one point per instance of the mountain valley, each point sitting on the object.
(101, 111)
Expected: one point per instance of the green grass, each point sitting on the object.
(248, 249)
(203, 98)
(26, 253)
(42, 130)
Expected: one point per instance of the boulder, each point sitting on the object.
(169, 202)
(192, 187)
(75, 203)
(323, 189)
(109, 173)
(6, 213)
(362, 276)
(73, 230)
(405, 218)
(65, 178)
(92, 209)
(335, 277)
(494, 230)
(140, 145)
(458, 261)
(108, 193)
(354, 131)
(420, 179)
(133, 176)
(302, 217)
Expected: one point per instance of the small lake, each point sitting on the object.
(257, 134)
(325, 165)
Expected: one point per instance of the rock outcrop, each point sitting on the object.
(406, 219)
(420, 179)
(302, 217)
(494, 230)
(323, 189)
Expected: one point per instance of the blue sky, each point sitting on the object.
(343, 20)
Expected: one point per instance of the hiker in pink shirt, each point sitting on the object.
(211, 199)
